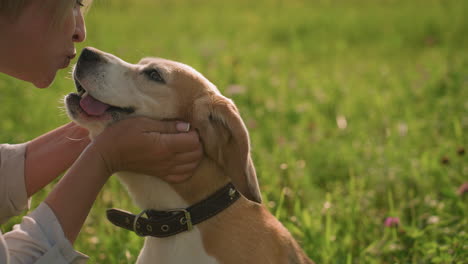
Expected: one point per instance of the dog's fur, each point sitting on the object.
(243, 233)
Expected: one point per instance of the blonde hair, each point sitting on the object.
(11, 9)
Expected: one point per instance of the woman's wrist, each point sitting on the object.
(51, 154)
(73, 196)
(95, 153)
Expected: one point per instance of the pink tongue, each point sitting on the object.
(92, 106)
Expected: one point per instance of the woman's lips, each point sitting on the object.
(67, 60)
(65, 63)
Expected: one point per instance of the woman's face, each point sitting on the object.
(37, 49)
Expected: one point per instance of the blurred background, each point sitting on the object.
(357, 112)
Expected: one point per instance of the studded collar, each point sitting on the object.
(171, 222)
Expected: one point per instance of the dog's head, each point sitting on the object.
(110, 89)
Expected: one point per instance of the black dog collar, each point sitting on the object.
(171, 222)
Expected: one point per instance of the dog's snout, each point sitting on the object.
(90, 55)
(89, 59)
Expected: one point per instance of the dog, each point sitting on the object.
(216, 216)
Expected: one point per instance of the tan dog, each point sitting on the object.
(242, 230)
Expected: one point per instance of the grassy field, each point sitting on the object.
(357, 111)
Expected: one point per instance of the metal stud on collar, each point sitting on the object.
(232, 192)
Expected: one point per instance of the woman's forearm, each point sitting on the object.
(51, 154)
(72, 198)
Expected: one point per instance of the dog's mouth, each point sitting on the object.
(94, 107)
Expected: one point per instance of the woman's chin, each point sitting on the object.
(44, 81)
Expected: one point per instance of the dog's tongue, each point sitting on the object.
(92, 106)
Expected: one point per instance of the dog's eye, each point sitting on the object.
(154, 75)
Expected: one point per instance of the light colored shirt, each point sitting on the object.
(39, 238)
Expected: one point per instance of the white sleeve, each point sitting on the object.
(39, 239)
(13, 197)
(3, 250)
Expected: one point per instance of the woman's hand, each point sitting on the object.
(166, 149)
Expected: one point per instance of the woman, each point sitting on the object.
(37, 39)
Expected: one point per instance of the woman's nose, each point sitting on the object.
(80, 28)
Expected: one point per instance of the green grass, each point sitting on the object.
(351, 107)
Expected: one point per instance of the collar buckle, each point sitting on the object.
(136, 225)
(186, 219)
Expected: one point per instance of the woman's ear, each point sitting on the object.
(226, 141)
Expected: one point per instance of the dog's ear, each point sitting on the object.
(226, 141)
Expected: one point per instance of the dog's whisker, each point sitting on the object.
(140, 52)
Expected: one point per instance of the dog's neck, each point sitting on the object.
(207, 179)
(150, 192)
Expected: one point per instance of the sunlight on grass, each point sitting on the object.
(357, 112)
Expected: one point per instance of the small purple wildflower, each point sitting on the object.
(392, 221)
(463, 189)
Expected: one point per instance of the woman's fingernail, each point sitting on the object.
(183, 127)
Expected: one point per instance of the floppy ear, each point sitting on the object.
(226, 141)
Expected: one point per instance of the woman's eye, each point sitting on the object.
(79, 3)
(155, 76)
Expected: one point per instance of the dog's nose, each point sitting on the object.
(90, 55)
(89, 59)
